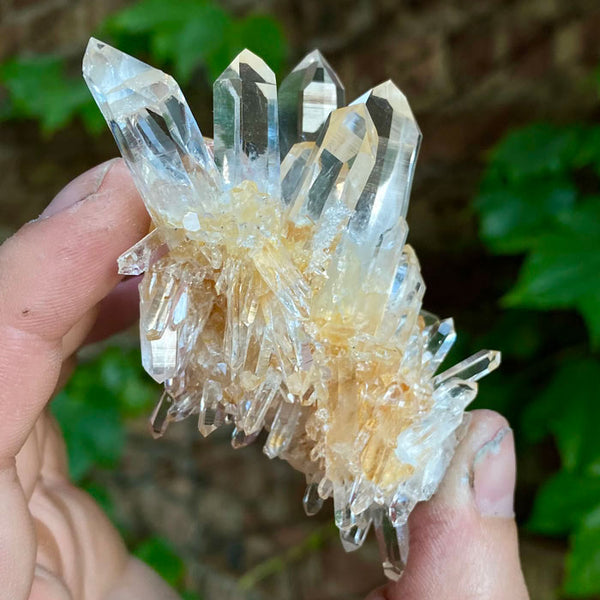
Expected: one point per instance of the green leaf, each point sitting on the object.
(513, 217)
(583, 562)
(563, 502)
(562, 270)
(264, 36)
(149, 16)
(160, 555)
(537, 150)
(93, 434)
(39, 89)
(568, 408)
(203, 40)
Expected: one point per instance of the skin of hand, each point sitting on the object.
(59, 289)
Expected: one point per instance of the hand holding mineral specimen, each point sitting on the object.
(279, 292)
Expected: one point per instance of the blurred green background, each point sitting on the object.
(505, 217)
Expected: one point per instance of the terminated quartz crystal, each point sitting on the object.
(283, 295)
(307, 96)
(246, 123)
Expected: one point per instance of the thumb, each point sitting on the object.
(463, 542)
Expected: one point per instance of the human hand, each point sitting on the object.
(60, 288)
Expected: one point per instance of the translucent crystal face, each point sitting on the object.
(281, 294)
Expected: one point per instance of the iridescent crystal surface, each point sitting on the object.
(282, 295)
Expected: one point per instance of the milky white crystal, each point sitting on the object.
(281, 294)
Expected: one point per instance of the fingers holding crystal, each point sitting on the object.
(55, 270)
(472, 510)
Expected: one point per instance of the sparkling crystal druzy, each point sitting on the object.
(279, 292)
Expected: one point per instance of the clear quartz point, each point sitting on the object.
(393, 544)
(306, 98)
(140, 256)
(240, 439)
(184, 406)
(246, 127)
(339, 167)
(353, 538)
(155, 131)
(211, 414)
(311, 501)
(292, 169)
(384, 200)
(159, 420)
(471, 369)
(440, 339)
(282, 431)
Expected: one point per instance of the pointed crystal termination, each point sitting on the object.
(393, 545)
(311, 501)
(159, 419)
(140, 256)
(471, 369)
(246, 126)
(384, 199)
(156, 133)
(339, 167)
(440, 339)
(307, 96)
(292, 168)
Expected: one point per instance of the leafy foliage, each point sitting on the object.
(92, 408)
(185, 37)
(39, 89)
(540, 197)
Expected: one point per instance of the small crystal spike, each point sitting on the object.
(155, 131)
(440, 339)
(292, 168)
(159, 418)
(311, 501)
(240, 439)
(306, 98)
(385, 199)
(283, 427)
(211, 413)
(339, 167)
(246, 127)
(393, 545)
(138, 258)
(471, 369)
(353, 538)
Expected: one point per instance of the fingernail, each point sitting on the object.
(494, 475)
(80, 188)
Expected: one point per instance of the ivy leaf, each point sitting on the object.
(563, 502)
(262, 35)
(562, 269)
(93, 434)
(536, 151)
(568, 408)
(203, 40)
(512, 217)
(149, 16)
(583, 562)
(158, 554)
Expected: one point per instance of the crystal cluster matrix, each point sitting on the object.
(279, 292)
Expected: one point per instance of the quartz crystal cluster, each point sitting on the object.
(279, 292)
